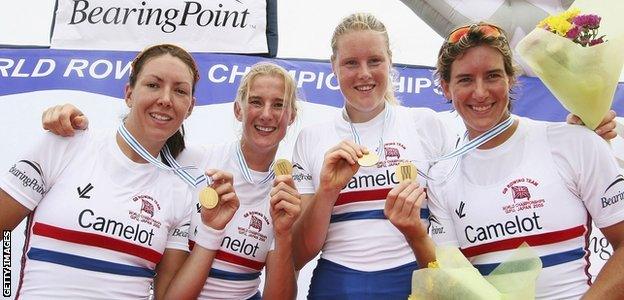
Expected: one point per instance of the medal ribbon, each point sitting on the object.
(476, 142)
(356, 136)
(244, 168)
(175, 167)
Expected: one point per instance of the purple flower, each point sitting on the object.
(573, 32)
(588, 21)
(596, 41)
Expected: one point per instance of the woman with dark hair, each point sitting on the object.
(536, 182)
(102, 210)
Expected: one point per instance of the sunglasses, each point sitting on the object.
(487, 30)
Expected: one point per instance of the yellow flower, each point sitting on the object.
(433, 264)
(556, 24)
(570, 13)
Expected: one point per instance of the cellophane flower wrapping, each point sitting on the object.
(456, 278)
(583, 79)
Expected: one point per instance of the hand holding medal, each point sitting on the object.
(340, 164)
(282, 167)
(208, 197)
(218, 199)
(285, 199)
(406, 171)
(404, 201)
(368, 160)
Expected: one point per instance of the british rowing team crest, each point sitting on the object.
(520, 192)
(149, 206)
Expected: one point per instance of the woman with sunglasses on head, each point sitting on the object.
(535, 182)
(366, 225)
(238, 238)
(102, 209)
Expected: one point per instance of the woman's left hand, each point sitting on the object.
(606, 129)
(285, 204)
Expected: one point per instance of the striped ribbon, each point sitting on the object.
(356, 136)
(175, 167)
(244, 168)
(457, 153)
(467, 147)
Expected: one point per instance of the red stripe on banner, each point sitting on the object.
(90, 239)
(237, 260)
(362, 196)
(532, 240)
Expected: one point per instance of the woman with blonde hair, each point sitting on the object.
(369, 227)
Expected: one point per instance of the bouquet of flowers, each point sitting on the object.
(579, 66)
(455, 278)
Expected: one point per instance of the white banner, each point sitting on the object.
(226, 26)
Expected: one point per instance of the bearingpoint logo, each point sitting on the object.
(169, 19)
(28, 181)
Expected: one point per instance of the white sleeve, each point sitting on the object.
(590, 170)
(179, 233)
(441, 227)
(33, 174)
(302, 164)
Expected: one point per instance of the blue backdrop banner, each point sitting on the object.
(105, 72)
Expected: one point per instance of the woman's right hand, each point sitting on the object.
(219, 216)
(64, 119)
(340, 164)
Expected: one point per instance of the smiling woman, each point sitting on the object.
(226, 261)
(340, 197)
(266, 108)
(535, 182)
(124, 245)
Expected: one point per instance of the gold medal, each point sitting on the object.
(406, 171)
(282, 167)
(368, 160)
(208, 197)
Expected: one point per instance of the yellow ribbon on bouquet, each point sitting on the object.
(456, 278)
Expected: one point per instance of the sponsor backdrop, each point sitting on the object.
(229, 26)
(33, 79)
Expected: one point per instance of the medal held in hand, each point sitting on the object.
(406, 171)
(368, 160)
(208, 197)
(282, 167)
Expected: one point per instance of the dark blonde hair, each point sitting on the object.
(474, 37)
(268, 69)
(362, 22)
(449, 52)
(176, 141)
